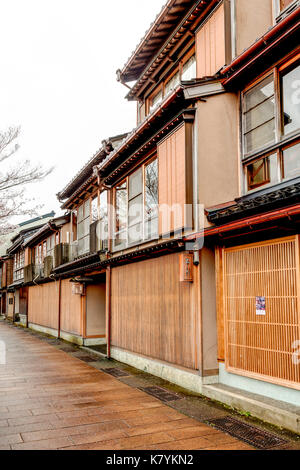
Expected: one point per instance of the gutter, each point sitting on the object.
(131, 137)
(248, 222)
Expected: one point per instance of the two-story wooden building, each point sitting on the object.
(202, 268)
(13, 293)
(183, 246)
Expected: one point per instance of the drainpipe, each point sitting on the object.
(108, 309)
(59, 308)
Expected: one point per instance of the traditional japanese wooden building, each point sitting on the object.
(183, 249)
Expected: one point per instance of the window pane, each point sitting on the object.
(172, 83)
(103, 205)
(80, 229)
(135, 233)
(135, 210)
(120, 239)
(136, 183)
(291, 100)
(156, 100)
(121, 207)
(87, 209)
(261, 172)
(189, 69)
(291, 161)
(259, 93)
(260, 114)
(261, 136)
(95, 209)
(151, 229)
(80, 213)
(151, 189)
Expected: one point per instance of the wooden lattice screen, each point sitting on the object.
(261, 306)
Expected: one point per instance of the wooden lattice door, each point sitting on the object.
(261, 306)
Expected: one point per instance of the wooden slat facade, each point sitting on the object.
(155, 314)
(43, 305)
(175, 185)
(210, 45)
(262, 345)
(71, 309)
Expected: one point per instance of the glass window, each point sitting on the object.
(95, 215)
(291, 162)
(135, 206)
(136, 211)
(136, 183)
(172, 83)
(189, 69)
(259, 115)
(121, 207)
(103, 215)
(156, 100)
(151, 189)
(291, 100)
(83, 227)
(263, 171)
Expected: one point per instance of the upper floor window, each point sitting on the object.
(156, 100)
(136, 201)
(189, 69)
(19, 260)
(271, 128)
(83, 227)
(103, 216)
(184, 71)
(94, 211)
(290, 84)
(259, 115)
(172, 83)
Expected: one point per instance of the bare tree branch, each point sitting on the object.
(13, 180)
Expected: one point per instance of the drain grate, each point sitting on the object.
(67, 349)
(161, 393)
(116, 372)
(86, 358)
(249, 434)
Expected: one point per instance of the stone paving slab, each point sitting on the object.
(50, 399)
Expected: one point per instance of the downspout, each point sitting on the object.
(108, 310)
(59, 308)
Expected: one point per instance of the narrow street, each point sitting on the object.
(50, 399)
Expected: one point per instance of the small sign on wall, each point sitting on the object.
(260, 306)
(77, 289)
(186, 267)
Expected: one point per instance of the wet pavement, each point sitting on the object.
(54, 395)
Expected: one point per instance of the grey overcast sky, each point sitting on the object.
(58, 80)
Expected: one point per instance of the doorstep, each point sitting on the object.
(279, 413)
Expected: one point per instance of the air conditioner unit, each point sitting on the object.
(61, 254)
(74, 251)
(48, 266)
(38, 271)
(28, 273)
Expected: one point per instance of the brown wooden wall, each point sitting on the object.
(262, 345)
(71, 309)
(43, 305)
(210, 45)
(153, 313)
(175, 178)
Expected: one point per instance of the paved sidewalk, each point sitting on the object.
(50, 399)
